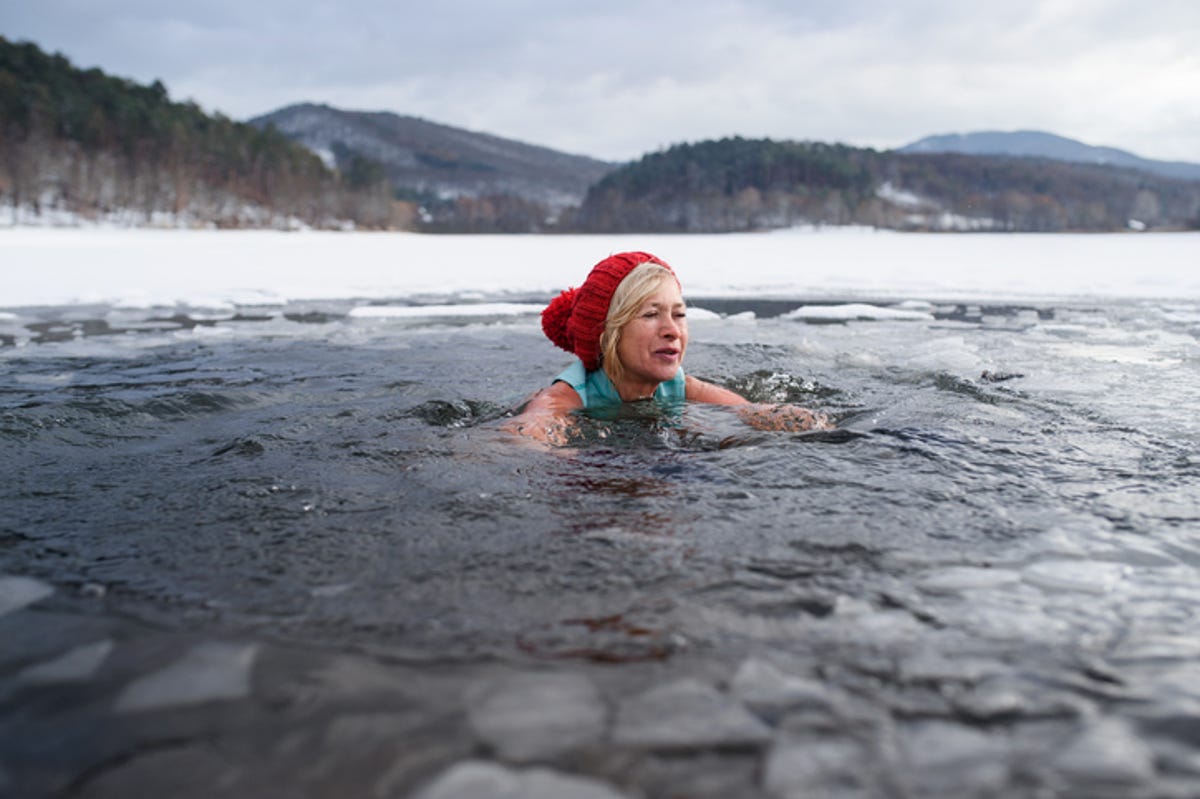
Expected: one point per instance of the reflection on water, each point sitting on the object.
(982, 583)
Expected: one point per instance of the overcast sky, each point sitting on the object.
(619, 78)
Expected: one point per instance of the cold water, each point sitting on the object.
(290, 550)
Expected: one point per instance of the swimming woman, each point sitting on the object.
(627, 325)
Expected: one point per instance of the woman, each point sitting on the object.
(627, 324)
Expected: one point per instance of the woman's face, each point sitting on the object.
(652, 343)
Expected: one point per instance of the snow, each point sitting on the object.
(457, 310)
(695, 314)
(898, 196)
(327, 157)
(856, 310)
(151, 268)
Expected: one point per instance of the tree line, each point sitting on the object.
(94, 145)
(754, 184)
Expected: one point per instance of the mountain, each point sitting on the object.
(1037, 144)
(426, 160)
(83, 145)
(78, 145)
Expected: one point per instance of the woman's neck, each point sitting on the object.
(632, 391)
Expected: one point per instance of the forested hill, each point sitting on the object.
(82, 143)
(423, 157)
(464, 181)
(743, 184)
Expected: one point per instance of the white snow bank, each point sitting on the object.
(853, 311)
(429, 311)
(144, 268)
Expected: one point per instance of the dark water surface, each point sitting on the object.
(292, 553)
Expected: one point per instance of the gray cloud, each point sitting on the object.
(619, 78)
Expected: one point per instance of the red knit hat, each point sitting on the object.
(574, 320)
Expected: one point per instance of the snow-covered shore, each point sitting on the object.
(141, 268)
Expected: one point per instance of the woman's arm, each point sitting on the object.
(547, 415)
(792, 418)
(700, 391)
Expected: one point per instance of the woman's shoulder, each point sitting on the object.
(574, 375)
(559, 397)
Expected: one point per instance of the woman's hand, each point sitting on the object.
(546, 428)
(788, 418)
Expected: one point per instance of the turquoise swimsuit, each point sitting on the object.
(597, 391)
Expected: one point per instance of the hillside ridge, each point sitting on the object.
(419, 156)
(1042, 144)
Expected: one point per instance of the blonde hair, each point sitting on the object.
(638, 286)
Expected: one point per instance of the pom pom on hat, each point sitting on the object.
(574, 320)
(555, 318)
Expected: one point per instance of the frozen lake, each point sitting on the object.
(262, 534)
(141, 268)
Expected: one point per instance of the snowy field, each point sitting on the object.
(143, 268)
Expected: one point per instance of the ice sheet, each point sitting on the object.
(145, 268)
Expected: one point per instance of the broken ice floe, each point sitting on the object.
(474, 779)
(533, 716)
(687, 714)
(75, 666)
(211, 671)
(17, 592)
